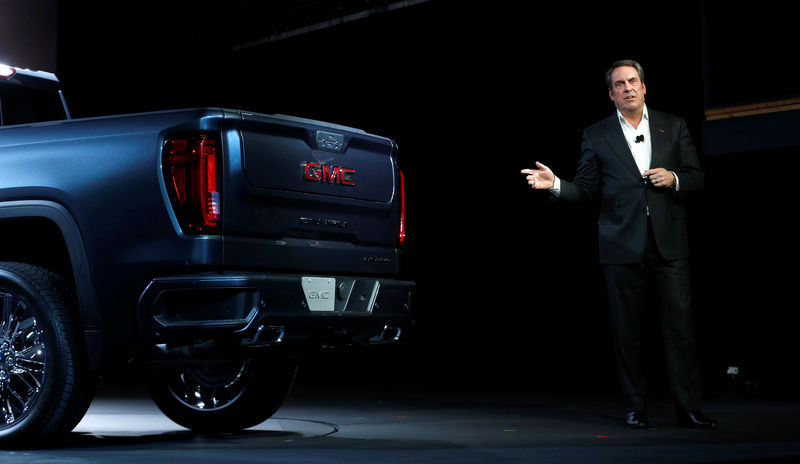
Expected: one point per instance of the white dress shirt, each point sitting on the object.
(642, 151)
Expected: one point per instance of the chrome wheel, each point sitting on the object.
(219, 397)
(22, 359)
(210, 386)
(45, 382)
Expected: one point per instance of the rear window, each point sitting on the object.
(25, 105)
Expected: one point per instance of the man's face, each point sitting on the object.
(627, 90)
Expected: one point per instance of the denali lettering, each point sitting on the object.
(316, 172)
(323, 222)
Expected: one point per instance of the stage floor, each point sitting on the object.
(352, 426)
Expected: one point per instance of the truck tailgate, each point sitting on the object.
(320, 160)
(293, 178)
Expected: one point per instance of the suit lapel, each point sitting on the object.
(616, 140)
(658, 139)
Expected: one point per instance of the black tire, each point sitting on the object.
(45, 382)
(219, 397)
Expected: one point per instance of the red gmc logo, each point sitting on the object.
(316, 172)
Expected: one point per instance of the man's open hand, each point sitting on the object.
(541, 178)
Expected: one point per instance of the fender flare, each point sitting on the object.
(84, 288)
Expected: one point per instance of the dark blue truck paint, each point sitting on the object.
(93, 202)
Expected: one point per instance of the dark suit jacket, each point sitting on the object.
(607, 168)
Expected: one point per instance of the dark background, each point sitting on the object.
(510, 295)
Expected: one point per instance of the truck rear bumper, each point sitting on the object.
(265, 309)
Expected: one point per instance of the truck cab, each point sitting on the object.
(30, 96)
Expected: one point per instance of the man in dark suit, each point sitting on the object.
(641, 163)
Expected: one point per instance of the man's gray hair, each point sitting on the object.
(619, 63)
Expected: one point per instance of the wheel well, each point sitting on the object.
(38, 241)
(45, 239)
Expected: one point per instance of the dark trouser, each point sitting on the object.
(663, 285)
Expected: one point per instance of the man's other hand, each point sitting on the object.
(660, 177)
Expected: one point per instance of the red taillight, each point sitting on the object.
(192, 171)
(402, 234)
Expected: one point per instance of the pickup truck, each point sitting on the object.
(209, 247)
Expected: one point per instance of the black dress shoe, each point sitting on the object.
(637, 419)
(696, 420)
